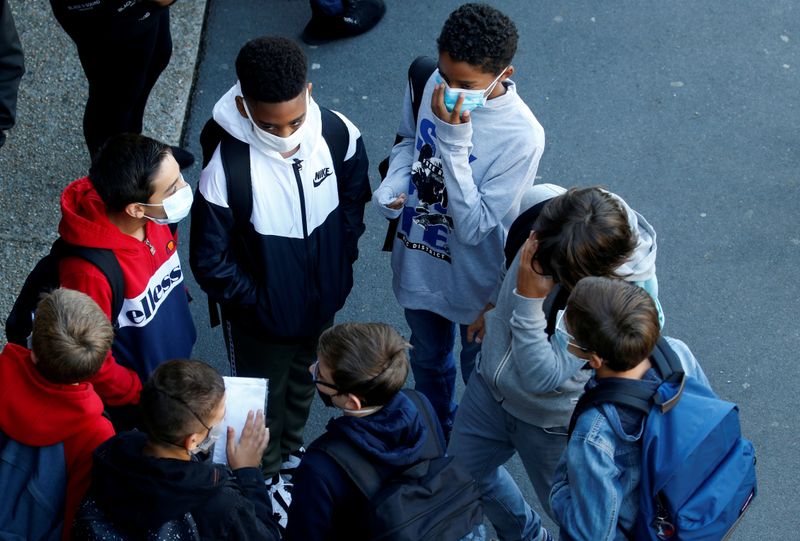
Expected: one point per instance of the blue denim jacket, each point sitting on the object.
(596, 491)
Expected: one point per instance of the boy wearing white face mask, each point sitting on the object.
(275, 227)
(134, 189)
(454, 184)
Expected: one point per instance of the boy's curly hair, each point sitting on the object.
(480, 35)
(271, 69)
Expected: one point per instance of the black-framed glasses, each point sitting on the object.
(315, 378)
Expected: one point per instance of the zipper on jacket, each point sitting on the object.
(297, 166)
(500, 366)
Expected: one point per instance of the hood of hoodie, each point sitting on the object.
(36, 412)
(84, 221)
(228, 117)
(140, 490)
(641, 266)
(394, 435)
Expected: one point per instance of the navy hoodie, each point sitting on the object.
(138, 491)
(326, 504)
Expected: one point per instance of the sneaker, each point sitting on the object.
(291, 463)
(184, 158)
(359, 16)
(280, 495)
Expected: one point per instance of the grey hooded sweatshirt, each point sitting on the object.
(464, 184)
(536, 381)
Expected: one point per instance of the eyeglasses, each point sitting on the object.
(568, 339)
(315, 378)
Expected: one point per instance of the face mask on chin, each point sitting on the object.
(275, 143)
(208, 442)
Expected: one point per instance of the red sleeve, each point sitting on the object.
(78, 454)
(116, 384)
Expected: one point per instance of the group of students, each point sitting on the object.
(552, 290)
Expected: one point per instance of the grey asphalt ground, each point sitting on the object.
(688, 109)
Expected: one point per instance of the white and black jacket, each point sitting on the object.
(289, 269)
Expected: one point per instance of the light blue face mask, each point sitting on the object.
(472, 98)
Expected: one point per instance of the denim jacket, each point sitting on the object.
(603, 460)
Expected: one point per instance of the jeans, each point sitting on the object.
(485, 437)
(433, 363)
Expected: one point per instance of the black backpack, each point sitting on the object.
(44, 278)
(235, 157)
(93, 524)
(419, 72)
(432, 500)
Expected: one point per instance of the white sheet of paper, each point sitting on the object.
(241, 396)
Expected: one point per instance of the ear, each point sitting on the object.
(310, 88)
(240, 106)
(134, 210)
(352, 402)
(508, 73)
(595, 361)
(190, 442)
(34, 360)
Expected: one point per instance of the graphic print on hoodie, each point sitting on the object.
(154, 324)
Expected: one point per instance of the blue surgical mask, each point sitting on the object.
(472, 98)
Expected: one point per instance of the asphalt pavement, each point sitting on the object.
(687, 109)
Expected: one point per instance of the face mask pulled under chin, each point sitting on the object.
(275, 143)
(208, 442)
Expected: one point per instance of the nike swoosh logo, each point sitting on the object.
(320, 181)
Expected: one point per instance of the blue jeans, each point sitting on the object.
(485, 437)
(433, 364)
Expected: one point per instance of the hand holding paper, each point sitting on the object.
(242, 395)
(255, 437)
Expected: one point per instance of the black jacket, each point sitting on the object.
(12, 67)
(142, 492)
(291, 269)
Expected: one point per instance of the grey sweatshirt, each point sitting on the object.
(537, 382)
(464, 183)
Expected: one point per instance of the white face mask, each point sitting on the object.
(176, 206)
(473, 99)
(275, 143)
(214, 434)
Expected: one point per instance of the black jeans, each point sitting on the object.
(121, 70)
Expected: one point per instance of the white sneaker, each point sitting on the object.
(280, 495)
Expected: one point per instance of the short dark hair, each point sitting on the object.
(71, 336)
(615, 319)
(368, 360)
(479, 35)
(271, 69)
(123, 169)
(582, 232)
(177, 393)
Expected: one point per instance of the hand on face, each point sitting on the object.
(531, 281)
(440, 109)
(255, 437)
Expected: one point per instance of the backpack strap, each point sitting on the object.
(235, 158)
(337, 137)
(419, 72)
(106, 262)
(433, 447)
(629, 394)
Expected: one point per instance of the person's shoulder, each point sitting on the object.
(594, 428)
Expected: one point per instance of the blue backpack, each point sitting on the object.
(34, 485)
(698, 472)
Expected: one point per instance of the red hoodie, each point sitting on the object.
(38, 413)
(154, 324)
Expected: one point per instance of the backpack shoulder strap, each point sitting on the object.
(419, 72)
(665, 361)
(105, 261)
(235, 155)
(337, 137)
(433, 447)
(560, 298)
(363, 473)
